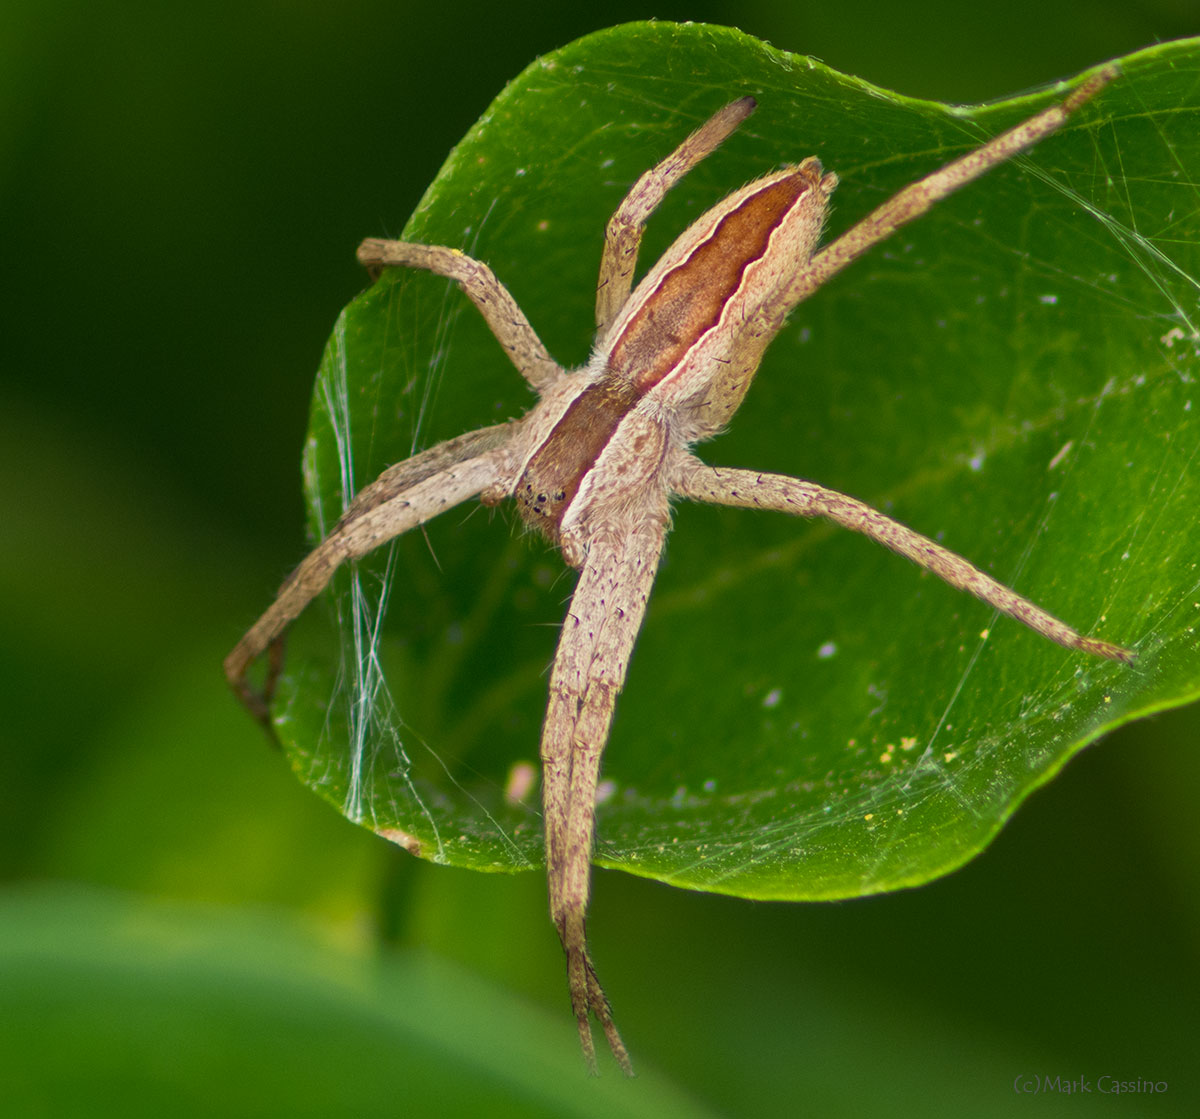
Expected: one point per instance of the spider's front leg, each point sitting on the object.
(413, 491)
(589, 669)
(402, 497)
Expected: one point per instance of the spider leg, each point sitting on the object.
(699, 482)
(402, 497)
(623, 237)
(915, 199)
(589, 669)
(500, 311)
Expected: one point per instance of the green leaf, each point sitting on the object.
(806, 715)
(115, 1005)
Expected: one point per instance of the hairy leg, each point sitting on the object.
(749, 488)
(916, 199)
(478, 282)
(623, 237)
(403, 497)
(589, 669)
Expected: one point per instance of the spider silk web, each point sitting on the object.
(806, 716)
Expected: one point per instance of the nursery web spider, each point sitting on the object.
(595, 464)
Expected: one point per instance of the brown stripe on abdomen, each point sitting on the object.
(690, 298)
(682, 308)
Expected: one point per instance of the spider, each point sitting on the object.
(595, 464)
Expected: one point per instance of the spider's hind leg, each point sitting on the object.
(623, 237)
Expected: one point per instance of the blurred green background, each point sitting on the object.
(182, 191)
